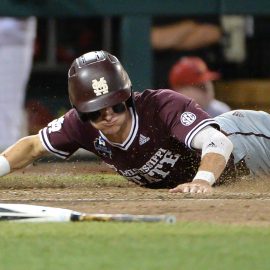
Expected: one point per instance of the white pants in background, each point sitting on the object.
(15, 68)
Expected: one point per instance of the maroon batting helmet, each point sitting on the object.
(97, 80)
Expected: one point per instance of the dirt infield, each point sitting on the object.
(245, 202)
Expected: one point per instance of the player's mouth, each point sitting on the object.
(110, 124)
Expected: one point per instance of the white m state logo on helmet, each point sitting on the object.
(100, 86)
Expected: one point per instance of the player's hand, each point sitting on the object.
(196, 186)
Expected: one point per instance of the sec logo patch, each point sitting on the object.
(187, 118)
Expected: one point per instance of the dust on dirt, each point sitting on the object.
(246, 201)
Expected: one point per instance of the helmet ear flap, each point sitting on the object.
(82, 116)
(130, 100)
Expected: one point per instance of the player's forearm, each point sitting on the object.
(22, 153)
(211, 167)
(212, 163)
(216, 150)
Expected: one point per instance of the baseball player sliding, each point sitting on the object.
(157, 138)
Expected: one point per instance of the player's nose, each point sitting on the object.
(107, 113)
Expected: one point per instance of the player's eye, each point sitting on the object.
(93, 116)
(119, 108)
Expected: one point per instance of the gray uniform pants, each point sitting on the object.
(249, 132)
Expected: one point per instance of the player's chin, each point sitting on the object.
(111, 130)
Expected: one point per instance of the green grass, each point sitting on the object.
(133, 246)
(42, 180)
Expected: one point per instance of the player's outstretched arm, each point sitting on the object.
(20, 154)
(212, 165)
(216, 149)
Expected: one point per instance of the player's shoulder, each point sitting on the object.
(72, 120)
(72, 115)
(159, 96)
(74, 127)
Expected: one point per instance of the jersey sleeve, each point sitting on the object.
(57, 136)
(182, 116)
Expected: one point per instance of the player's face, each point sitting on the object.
(111, 121)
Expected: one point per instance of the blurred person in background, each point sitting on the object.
(191, 77)
(173, 38)
(17, 37)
